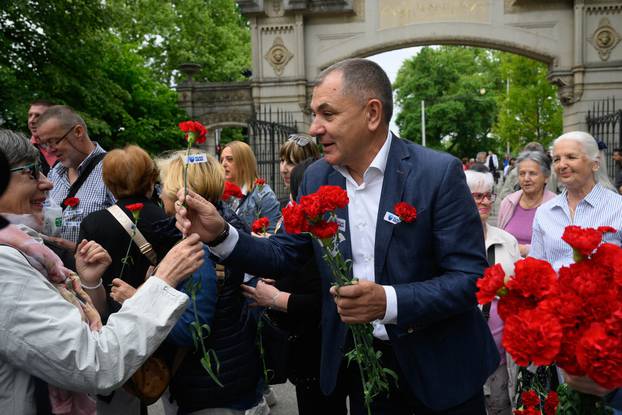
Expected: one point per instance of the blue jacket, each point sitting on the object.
(259, 203)
(441, 341)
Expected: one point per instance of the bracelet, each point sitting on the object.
(86, 287)
(274, 300)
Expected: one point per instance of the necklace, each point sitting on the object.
(528, 204)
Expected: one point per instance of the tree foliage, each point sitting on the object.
(467, 108)
(80, 53)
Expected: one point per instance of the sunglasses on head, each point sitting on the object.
(299, 139)
(32, 169)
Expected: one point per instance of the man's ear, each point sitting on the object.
(374, 114)
(79, 131)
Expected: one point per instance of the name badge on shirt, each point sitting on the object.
(342, 224)
(196, 158)
(392, 218)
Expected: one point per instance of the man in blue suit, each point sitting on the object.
(416, 280)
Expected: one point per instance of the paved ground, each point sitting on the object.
(286, 402)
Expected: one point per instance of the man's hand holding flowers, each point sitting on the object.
(201, 217)
(362, 302)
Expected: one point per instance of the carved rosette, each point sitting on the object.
(278, 56)
(604, 39)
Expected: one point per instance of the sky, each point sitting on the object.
(391, 62)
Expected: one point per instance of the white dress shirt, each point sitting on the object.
(362, 217)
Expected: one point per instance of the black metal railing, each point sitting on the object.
(266, 133)
(604, 122)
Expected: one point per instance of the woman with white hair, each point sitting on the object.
(585, 202)
(501, 248)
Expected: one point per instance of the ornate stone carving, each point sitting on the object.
(567, 91)
(278, 56)
(604, 38)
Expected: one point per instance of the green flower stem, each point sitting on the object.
(190, 141)
(197, 335)
(126, 258)
(374, 377)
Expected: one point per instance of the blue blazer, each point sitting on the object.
(441, 341)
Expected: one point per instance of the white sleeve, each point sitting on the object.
(224, 249)
(44, 335)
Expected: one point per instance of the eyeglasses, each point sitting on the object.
(54, 142)
(32, 169)
(479, 197)
(300, 139)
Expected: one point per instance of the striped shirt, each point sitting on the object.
(601, 207)
(93, 195)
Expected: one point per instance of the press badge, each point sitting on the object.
(342, 224)
(392, 218)
(196, 158)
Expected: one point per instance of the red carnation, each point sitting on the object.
(405, 211)
(550, 403)
(527, 411)
(231, 190)
(312, 206)
(532, 336)
(194, 131)
(490, 284)
(71, 202)
(599, 352)
(324, 229)
(134, 207)
(331, 198)
(294, 219)
(584, 240)
(530, 398)
(261, 225)
(260, 181)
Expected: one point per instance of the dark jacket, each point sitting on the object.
(232, 338)
(441, 341)
(104, 229)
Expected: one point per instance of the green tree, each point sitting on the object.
(531, 110)
(79, 53)
(211, 33)
(458, 87)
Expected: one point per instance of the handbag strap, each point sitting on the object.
(143, 245)
(82, 177)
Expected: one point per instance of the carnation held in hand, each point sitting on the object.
(316, 215)
(572, 318)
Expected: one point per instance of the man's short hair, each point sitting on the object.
(41, 103)
(364, 80)
(534, 146)
(129, 172)
(64, 114)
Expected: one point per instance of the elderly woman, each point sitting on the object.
(585, 201)
(259, 200)
(501, 248)
(41, 333)
(231, 335)
(519, 208)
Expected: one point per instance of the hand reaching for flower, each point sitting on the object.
(266, 295)
(91, 261)
(200, 216)
(121, 290)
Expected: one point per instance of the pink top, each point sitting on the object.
(521, 223)
(495, 324)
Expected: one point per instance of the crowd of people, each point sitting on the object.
(148, 257)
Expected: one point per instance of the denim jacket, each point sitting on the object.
(261, 201)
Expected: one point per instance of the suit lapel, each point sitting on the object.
(395, 174)
(336, 179)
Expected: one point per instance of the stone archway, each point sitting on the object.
(293, 40)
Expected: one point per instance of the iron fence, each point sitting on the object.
(604, 122)
(266, 133)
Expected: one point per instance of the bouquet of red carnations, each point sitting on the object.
(315, 215)
(573, 318)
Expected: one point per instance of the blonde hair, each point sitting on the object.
(207, 179)
(129, 172)
(245, 164)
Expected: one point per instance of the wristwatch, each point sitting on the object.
(220, 238)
